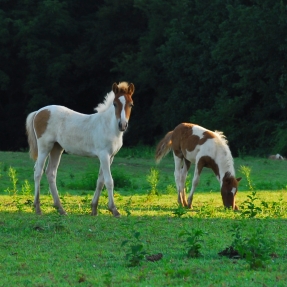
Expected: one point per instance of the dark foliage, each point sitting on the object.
(220, 64)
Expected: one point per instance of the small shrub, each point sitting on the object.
(152, 179)
(192, 242)
(179, 211)
(127, 206)
(136, 252)
(26, 188)
(249, 207)
(255, 249)
(274, 209)
(171, 189)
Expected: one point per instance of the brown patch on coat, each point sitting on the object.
(184, 140)
(207, 161)
(41, 122)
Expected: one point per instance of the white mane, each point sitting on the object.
(108, 100)
(222, 137)
(228, 164)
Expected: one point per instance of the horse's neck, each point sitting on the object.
(109, 122)
(225, 163)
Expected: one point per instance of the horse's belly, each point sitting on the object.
(191, 155)
(80, 152)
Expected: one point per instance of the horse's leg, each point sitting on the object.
(51, 172)
(178, 178)
(184, 172)
(100, 185)
(195, 181)
(38, 172)
(106, 160)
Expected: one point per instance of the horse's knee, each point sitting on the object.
(38, 175)
(109, 184)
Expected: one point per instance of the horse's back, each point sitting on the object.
(70, 129)
(191, 140)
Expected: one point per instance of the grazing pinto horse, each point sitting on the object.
(53, 129)
(276, 157)
(194, 144)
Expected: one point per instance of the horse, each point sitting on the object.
(192, 143)
(276, 157)
(53, 129)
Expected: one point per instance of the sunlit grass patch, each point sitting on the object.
(54, 250)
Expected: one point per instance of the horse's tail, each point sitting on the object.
(163, 147)
(32, 141)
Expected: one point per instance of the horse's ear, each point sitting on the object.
(115, 88)
(238, 179)
(131, 89)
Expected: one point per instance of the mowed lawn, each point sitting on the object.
(81, 250)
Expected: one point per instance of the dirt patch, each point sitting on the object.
(230, 252)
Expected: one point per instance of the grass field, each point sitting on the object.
(78, 249)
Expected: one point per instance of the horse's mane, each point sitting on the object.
(109, 98)
(222, 137)
(229, 164)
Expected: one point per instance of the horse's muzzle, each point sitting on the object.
(123, 126)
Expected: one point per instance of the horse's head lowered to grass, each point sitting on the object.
(229, 189)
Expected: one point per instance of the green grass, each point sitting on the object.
(78, 249)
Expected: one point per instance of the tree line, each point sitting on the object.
(220, 64)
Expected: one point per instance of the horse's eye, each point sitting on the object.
(115, 105)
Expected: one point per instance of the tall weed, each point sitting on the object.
(12, 174)
(153, 178)
(247, 171)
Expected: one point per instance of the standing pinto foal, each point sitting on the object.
(53, 129)
(194, 144)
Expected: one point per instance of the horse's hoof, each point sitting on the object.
(116, 213)
(94, 213)
(60, 210)
(38, 211)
